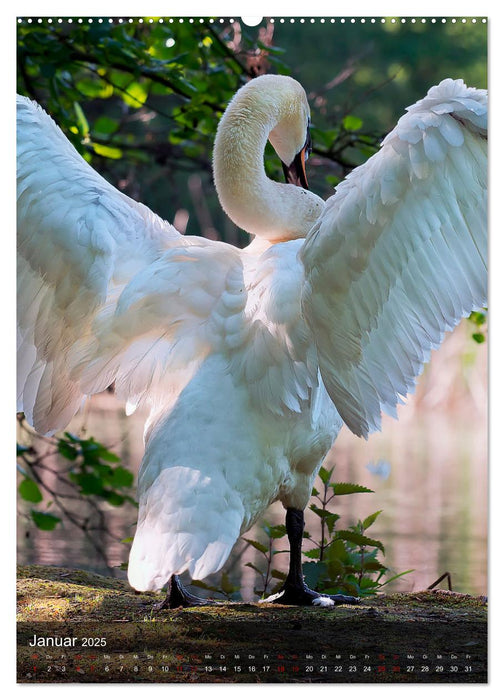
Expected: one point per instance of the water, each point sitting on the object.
(434, 501)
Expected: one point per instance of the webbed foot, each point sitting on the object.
(292, 594)
(178, 596)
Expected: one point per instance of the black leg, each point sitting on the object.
(295, 591)
(178, 596)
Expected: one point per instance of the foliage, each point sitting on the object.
(141, 99)
(342, 561)
(141, 102)
(72, 471)
(273, 533)
(479, 319)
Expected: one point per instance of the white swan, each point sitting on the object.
(250, 360)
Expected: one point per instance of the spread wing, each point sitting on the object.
(399, 254)
(107, 291)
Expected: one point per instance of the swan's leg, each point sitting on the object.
(295, 591)
(178, 596)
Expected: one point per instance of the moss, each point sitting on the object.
(62, 601)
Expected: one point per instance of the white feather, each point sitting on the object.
(239, 353)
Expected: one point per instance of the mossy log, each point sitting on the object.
(75, 626)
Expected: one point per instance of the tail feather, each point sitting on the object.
(188, 521)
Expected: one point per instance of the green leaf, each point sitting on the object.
(336, 551)
(326, 515)
(478, 317)
(313, 553)
(95, 87)
(108, 456)
(89, 484)
(361, 540)
(325, 475)
(373, 566)
(313, 572)
(44, 521)
(275, 532)
(257, 545)
(135, 94)
(107, 151)
(351, 123)
(121, 478)
(82, 122)
(105, 126)
(367, 522)
(280, 575)
(115, 499)
(366, 584)
(335, 568)
(478, 337)
(403, 573)
(253, 566)
(342, 489)
(30, 491)
(325, 136)
(67, 451)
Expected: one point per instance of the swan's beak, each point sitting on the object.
(295, 173)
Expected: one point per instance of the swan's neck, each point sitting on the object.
(264, 208)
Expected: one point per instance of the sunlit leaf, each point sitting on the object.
(367, 522)
(351, 123)
(107, 151)
(95, 88)
(82, 122)
(135, 94)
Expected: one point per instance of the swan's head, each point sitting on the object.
(271, 107)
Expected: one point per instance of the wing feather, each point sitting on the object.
(107, 291)
(399, 255)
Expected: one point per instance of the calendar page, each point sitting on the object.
(252, 420)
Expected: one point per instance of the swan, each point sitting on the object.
(250, 360)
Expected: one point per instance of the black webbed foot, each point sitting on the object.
(295, 591)
(292, 594)
(178, 596)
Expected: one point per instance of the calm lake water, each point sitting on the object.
(434, 500)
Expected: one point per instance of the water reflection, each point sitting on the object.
(434, 500)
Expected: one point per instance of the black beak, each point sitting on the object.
(295, 173)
